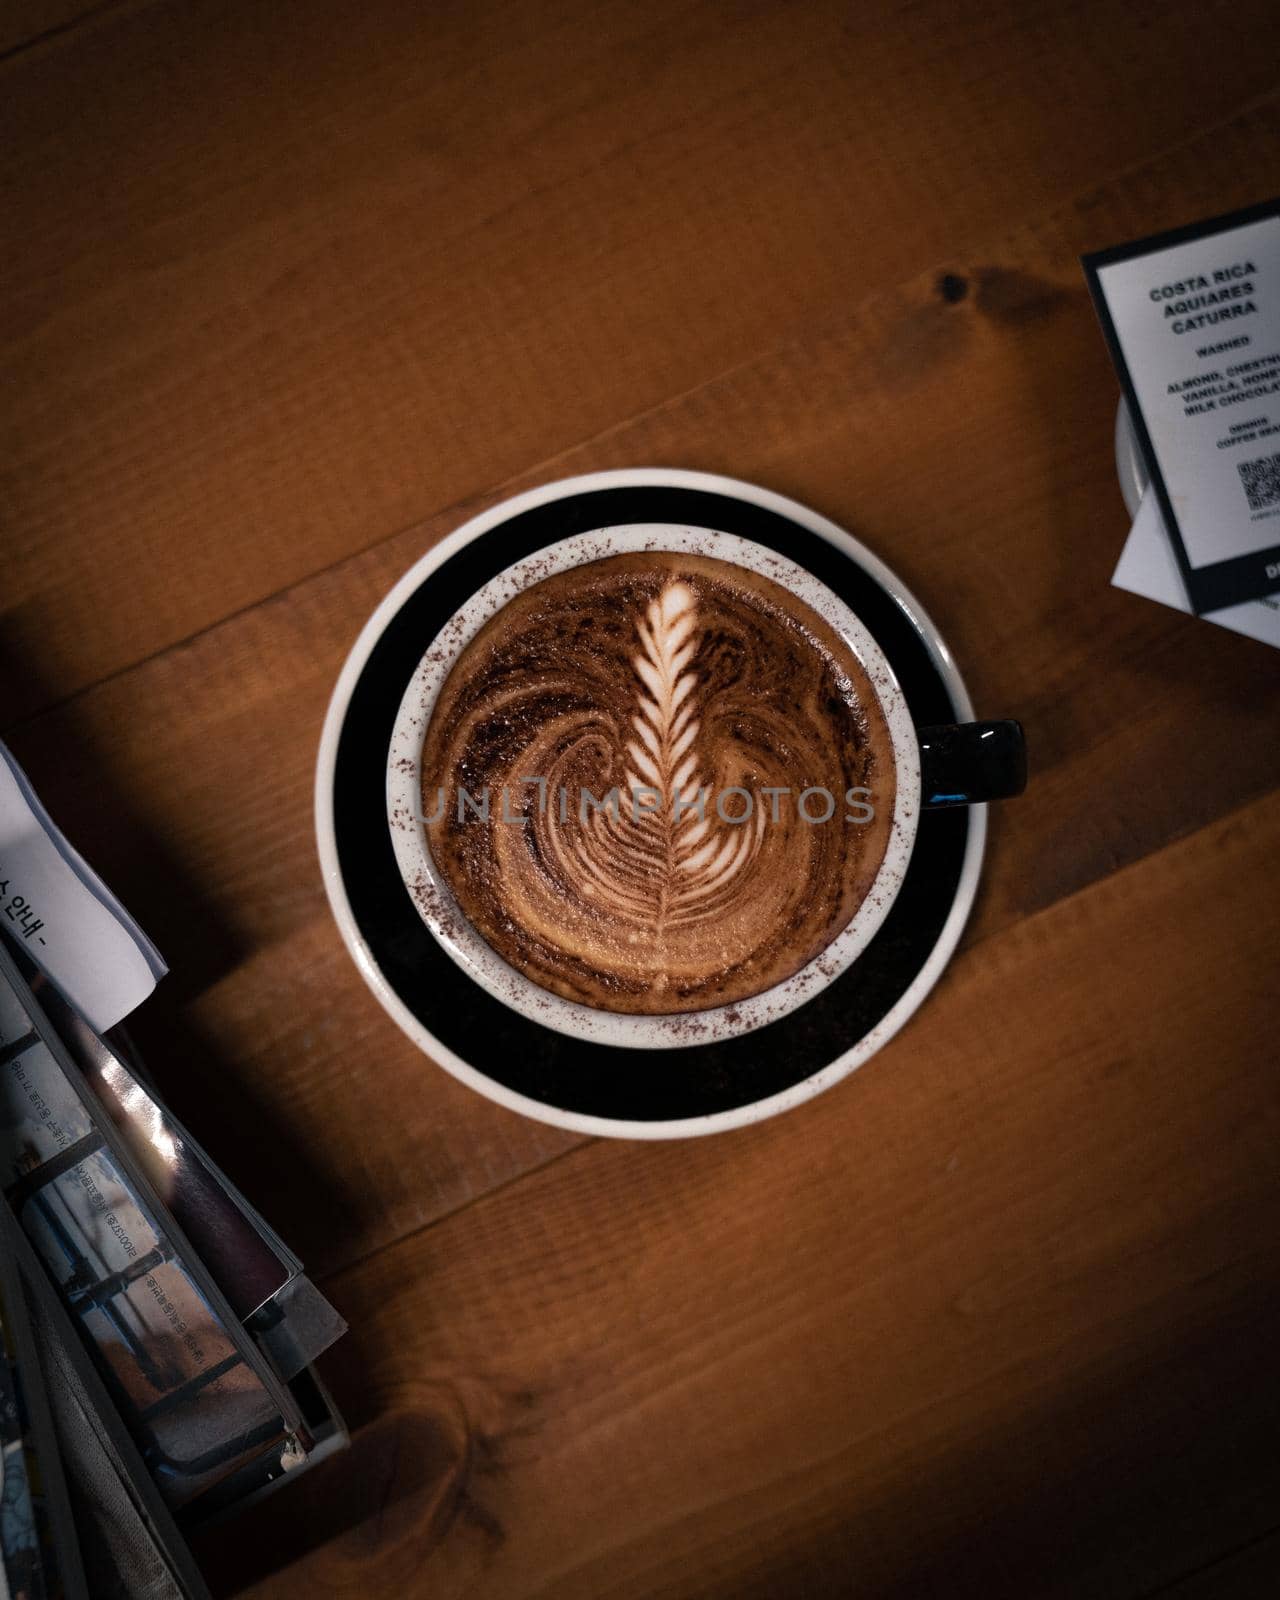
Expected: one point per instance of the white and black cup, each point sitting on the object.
(648, 1076)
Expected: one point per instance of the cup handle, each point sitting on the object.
(971, 761)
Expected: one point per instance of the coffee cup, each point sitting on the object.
(570, 903)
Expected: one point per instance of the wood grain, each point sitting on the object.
(995, 1317)
(1143, 725)
(273, 296)
(1246, 1574)
(28, 24)
(294, 290)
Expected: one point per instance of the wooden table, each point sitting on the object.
(290, 290)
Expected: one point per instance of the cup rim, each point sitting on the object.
(842, 1064)
(449, 925)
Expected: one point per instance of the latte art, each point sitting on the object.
(612, 778)
(667, 862)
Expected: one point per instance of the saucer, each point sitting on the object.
(584, 1085)
(1131, 469)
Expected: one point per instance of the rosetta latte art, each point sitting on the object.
(617, 729)
(665, 859)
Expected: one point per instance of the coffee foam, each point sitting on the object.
(660, 675)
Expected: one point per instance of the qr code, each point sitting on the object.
(1261, 481)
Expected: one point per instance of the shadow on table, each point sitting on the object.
(394, 1466)
(1119, 1487)
(1116, 1487)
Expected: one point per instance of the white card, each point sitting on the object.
(56, 908)
(1193, 321)
(1147, 567)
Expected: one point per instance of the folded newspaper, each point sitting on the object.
(156, 1337)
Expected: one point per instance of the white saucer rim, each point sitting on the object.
(796, 1094)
